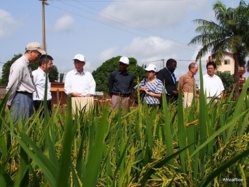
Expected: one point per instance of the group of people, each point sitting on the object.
(163, 81)
(28, 91)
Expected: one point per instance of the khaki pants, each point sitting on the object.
(120, 100)
(81, 103)
(187, 100)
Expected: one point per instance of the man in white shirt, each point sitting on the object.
(79, 83)
(213, 86)
(42, 83)
(21, 86)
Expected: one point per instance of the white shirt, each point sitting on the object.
(19, 78)
(39, 77)
(82, 83)
(213, 86)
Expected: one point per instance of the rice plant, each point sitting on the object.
(203, 145)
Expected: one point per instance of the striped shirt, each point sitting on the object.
(155, 87)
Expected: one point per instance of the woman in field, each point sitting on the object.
(152, 87)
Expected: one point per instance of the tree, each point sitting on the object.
(53, 74)
(101, 74)
(6, 69)
(227, 79)
(230, 33)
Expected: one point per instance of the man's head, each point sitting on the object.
(33, 51)
(193, 68)
(123, 63)
(211, 67)
(46, 63)
(79, 62)
(171, 64)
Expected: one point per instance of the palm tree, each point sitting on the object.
(230, 33)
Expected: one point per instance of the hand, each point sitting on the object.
(75, 94)
(143, 88)
(175, 92)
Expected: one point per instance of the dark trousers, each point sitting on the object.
(40, 104)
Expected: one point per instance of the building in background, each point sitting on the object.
(227, 65)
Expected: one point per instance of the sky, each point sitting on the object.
(150, 31)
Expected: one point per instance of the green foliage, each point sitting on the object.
(230, 33)
(174, 146)
(6, 69)
(228, 80)
(53, 74)
(101, 74)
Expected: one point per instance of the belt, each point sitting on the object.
(122, 95)
(24, 92)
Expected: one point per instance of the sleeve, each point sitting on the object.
(92, 85)
(67, 85)
(159, 88)
(35, 76)
(160, 75)
(15, 78)
(179, 85)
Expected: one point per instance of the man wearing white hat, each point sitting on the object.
(21, 85)
(120, 85)
(79, 83)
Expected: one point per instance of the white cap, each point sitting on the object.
(124, 60)
(151, 67)
(79, 57)
(35, 46)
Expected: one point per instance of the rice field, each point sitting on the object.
(203, 145)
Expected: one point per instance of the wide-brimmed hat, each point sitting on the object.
(35, 46)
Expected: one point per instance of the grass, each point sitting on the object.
(197, 146)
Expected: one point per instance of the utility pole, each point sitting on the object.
(44, 2)
(163, 62)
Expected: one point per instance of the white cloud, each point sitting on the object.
(147, 47)
(107, 54)
(64, 24)
(148, 14)
(8, 24)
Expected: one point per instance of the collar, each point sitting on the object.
(41, 71)
(76, 72)
(190, 74)
(169, 71)
(124, 72)
(25, 60)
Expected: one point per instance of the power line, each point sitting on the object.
(144, 31)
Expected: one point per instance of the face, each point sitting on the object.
(48, 66)
(79, 65)
(171, 67)
(122, 67)
(210, 70)
(150, 74)
(34, 56)
(194, 69)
